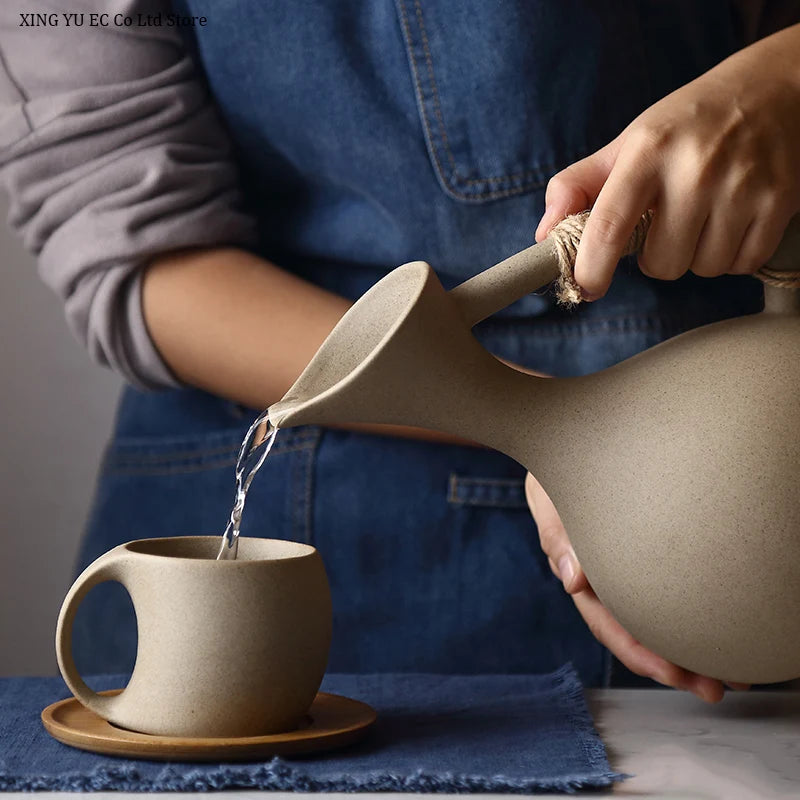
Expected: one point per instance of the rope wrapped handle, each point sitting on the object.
(566, 237)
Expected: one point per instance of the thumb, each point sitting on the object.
(553, 538)
(576, 188)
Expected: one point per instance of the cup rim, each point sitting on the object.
(301, 549)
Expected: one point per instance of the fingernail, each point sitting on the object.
(529, 495)
(543, 226)
(566, 569)
(708, 694)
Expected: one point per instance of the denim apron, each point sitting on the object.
(371, 133)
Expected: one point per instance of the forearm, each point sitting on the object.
(233, 324)
(239, 327)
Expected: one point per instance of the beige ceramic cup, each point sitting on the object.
(226, 648)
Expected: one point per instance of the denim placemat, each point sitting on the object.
(435, 733)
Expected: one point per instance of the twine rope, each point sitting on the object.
(784, 279)
(566, 237)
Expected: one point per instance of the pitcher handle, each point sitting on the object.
(109, 567)
(499, 286)
(504, 283)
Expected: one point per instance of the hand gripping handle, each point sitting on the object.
(531, 269)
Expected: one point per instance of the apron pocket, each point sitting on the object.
(487, 492)
(510, 93)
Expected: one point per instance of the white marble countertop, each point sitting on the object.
(745, 748)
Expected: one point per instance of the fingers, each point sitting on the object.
(719, 243)
(760, 241)
(675, 229)
(575, 188)
(727, 220)
(626, 195)
(743, 228)
(637, 658)
(553, 538)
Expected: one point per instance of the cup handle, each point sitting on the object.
(109, 567)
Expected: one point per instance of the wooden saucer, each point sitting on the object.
(333, 721)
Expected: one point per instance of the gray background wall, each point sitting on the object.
(56, 409)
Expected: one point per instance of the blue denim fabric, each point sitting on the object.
(502, 734)
(370, 134)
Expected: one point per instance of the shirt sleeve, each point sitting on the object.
(111, 151)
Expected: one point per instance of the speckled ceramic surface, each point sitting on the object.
(226, 648)
(675, 472)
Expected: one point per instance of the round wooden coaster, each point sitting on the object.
(333, 721)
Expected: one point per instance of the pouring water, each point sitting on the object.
(255, 447)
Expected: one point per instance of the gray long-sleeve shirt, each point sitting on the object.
(112, 151)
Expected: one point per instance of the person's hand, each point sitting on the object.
(718, 161)
(637, 658)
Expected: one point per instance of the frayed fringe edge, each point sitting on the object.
(278, 776)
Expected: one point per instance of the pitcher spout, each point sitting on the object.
(405, 355)
(339, 385)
